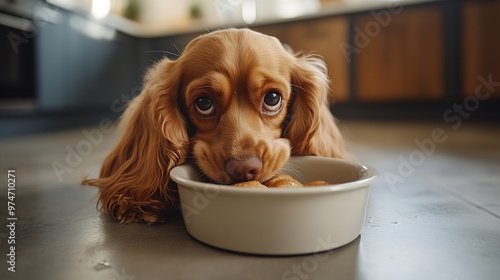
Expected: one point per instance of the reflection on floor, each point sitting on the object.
(433, 214)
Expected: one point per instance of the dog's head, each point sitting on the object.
(236, 89)
(240, 103)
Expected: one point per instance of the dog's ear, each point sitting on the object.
(134, 179)
(311, 128)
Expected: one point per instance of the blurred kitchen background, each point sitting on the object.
(71, 63)
(415, 87)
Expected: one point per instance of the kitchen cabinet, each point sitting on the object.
(403, 60)
(480, 45)
(81, 64)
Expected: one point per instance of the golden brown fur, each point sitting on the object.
(235, 69)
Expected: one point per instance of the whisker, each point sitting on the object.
(202, 177)
(177, 49)
(294, 169)
(164, 52)
(198, 173)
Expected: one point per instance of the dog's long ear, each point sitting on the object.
(134, 179)
(312, 129)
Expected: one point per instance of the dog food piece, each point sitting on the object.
(249, 184)
(283, 181)
(279, 181)
(316, 183)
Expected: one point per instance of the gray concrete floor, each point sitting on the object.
(433, 214)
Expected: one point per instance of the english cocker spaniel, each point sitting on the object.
(236, 103)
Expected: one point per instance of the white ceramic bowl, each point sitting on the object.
(279, 221)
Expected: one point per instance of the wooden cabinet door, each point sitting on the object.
(399, 58)
(480, 45)
(323, 37)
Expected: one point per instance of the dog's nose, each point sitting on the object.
(244, 169)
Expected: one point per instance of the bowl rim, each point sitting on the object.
(369, 175)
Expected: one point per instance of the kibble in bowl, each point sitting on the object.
(279, 181)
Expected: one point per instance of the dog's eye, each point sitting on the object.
(204, 106)
(272, 102)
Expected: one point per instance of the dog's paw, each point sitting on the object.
(127, 210)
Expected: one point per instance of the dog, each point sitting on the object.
(236, 103)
